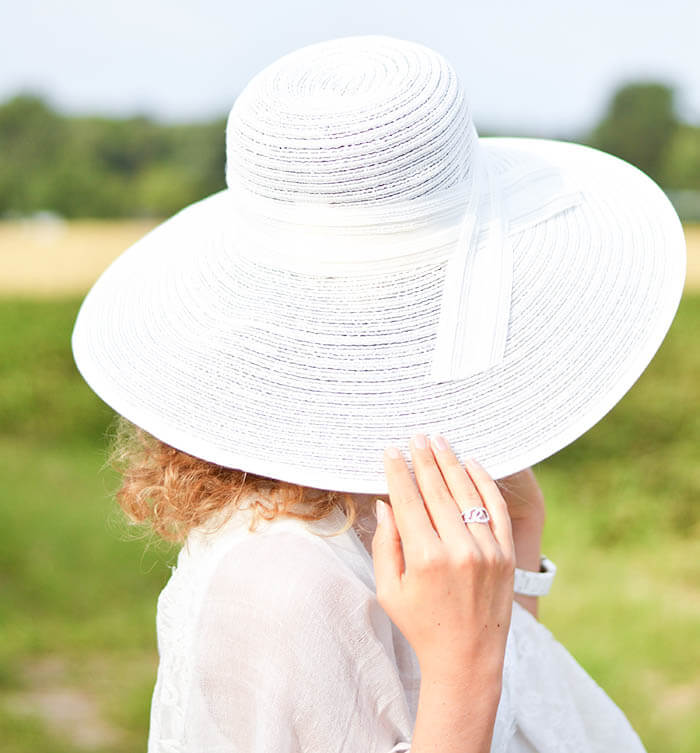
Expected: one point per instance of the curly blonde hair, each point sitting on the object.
(172, 492)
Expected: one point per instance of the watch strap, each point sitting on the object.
(530, 583)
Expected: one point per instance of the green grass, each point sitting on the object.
(79, 592)
(78, 587)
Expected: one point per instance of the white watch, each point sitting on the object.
(530, 583)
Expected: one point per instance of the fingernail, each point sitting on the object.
(393, 452)
(439, 442)
(419, 441)
(380, 511)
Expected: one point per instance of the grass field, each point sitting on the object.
(77, 637)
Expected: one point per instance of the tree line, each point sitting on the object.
(138, 167)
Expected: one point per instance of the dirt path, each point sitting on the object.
(53, 258)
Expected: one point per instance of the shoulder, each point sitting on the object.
(287, 574)
(288, 597)
(292, 642)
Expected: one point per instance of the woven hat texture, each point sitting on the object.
(374, 269)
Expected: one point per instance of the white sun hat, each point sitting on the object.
(374, 269)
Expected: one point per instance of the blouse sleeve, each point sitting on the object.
(295, 655)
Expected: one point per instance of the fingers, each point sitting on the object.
(427, 512)
(387, 555)
(465, 492)
(439, 501)
(495, 504)
(410, 515)
(471, 486)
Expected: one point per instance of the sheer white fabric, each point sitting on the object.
(274, 642)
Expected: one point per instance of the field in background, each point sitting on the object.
(692, 237)
(50, 257)
(77, 642)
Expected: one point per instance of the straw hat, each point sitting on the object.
(375, 269)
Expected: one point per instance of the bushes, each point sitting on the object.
(97, 167)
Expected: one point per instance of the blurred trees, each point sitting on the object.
(681, 169)
(639, 126)
(642, 126)
(102, 167)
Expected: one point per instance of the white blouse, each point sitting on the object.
(274, 642)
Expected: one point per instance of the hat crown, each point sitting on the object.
(353, 121)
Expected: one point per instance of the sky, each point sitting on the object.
(537, 67)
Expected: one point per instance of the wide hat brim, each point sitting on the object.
(307, 378)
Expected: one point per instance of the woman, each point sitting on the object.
(374, 271)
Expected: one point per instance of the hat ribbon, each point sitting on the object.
(476, 297)
(471, 225)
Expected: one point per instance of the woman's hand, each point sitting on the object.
(447, 585)
(525, 503)
(523, 496)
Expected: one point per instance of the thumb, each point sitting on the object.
(387, 554)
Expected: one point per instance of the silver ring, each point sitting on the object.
(476, 515)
